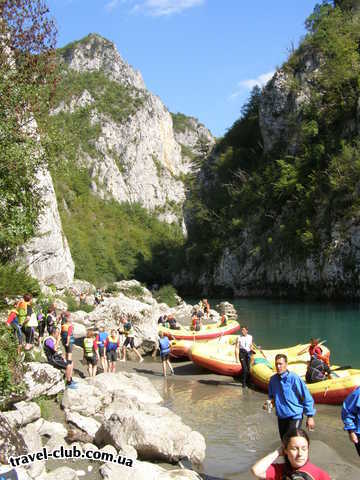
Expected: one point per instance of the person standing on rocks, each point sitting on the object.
(67, 336)
(350, 415)
(91, 355)
(164, 346)
(51, 345)
(128, 331)
(112, 348)
(291, 398)
(100, 340)
(51, 320)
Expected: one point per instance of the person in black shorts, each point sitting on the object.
(51, 344)
(128, 331)
(91, 355)
(112, 345)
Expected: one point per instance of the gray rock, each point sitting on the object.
(87, 424)
(82, 286)
(63, 473)
(86, 399)
(42, 379)
(12, 443)
(79, 330)
(26, 412)
(138, 471)
(33, 443)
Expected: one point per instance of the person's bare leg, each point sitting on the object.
(94, 370)
(170, 366)
(164, 367)
(138, 355)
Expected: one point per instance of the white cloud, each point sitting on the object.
(158, 8)
(111, 5)
(250, 83)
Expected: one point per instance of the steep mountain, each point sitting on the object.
(277, 208)
(120, 171)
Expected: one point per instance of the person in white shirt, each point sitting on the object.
(243, 348)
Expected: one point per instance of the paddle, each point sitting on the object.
(260, 350)
(336, 369)
(304, 350)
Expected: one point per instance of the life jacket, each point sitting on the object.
(102, 337)
(128, 329)
(22, 311)
(223, 321)
(64, 333)
(316, 350)
(164, 345)
(12, 316)
(50, 320)
(112, 343)
(316, 371)
(89, 347)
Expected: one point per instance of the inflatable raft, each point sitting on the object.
(217, 355)
(333, 391)
(180, 348)
(207, 332)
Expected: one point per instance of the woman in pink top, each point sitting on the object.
(296, 451)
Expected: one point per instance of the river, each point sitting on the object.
(236, 429)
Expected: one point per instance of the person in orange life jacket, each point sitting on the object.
(350, 414)
(128, 331)
(243, 350)
(164, 346)
(67, 336)
(50, 345)
(291, 398)
(91, 354)
(112, 346)
(295, 448)
(100, 340)
(315, 349)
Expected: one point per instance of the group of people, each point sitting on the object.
(292, 400)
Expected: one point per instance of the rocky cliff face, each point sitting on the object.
(138, 158)
(48, 256)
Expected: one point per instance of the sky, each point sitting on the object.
(201, 57)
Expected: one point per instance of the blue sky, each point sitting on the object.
(200, 56)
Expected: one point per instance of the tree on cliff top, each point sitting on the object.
(27, 65)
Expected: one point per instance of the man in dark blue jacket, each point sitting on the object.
(350, 415)
(291, 398)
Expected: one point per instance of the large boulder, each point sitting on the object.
(42, 379)
(154, 431)
(33, 443)
(87, 399)
(87, 424)
(82, 286)
(12, 443)
(24, 413)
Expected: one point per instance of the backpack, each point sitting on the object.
(297, 476)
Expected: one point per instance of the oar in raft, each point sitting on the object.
(260, 350)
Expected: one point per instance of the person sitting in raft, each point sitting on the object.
(128, 331)
(100, 340)
(223, 321)
(164, 347)
(196, 323)
(295, 449)
(67, 336)
(315, 349)
(91, 353)
(112, 348)
(173, 323)
(206, 308)
(317, 370)
(51, 345)
(162, 320)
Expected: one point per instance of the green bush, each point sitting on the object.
(15, 281)
(10, 365)
(166, 294)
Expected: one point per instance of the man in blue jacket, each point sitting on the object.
(350, 415)
(291, 398)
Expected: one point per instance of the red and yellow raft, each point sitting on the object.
(207, 332)
(217, 355)
(180, 348)
(332, 391)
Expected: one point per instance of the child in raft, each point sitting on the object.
(164, 346)
(295, 448)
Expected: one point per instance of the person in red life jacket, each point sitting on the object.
(100, 340)
(295, 448)
(315, 349)
(13, 322)
(51, 345)
(67, 336)
(164, 347)
(196, 322)
(112, 346)
(91, 354)
(128, 331)
(172, 322)
(223, 320)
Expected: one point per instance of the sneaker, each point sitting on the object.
(71, 385)
(123, 360)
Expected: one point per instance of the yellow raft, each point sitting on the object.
(207, 332)
(332, 391)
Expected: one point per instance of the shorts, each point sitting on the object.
(41, 328)
(129, 341)
(91, 360)
(164, 357)
(285, 424)
(69, 348)
(29, 334)
(101, 351)
(58, 362)
(111, 355)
